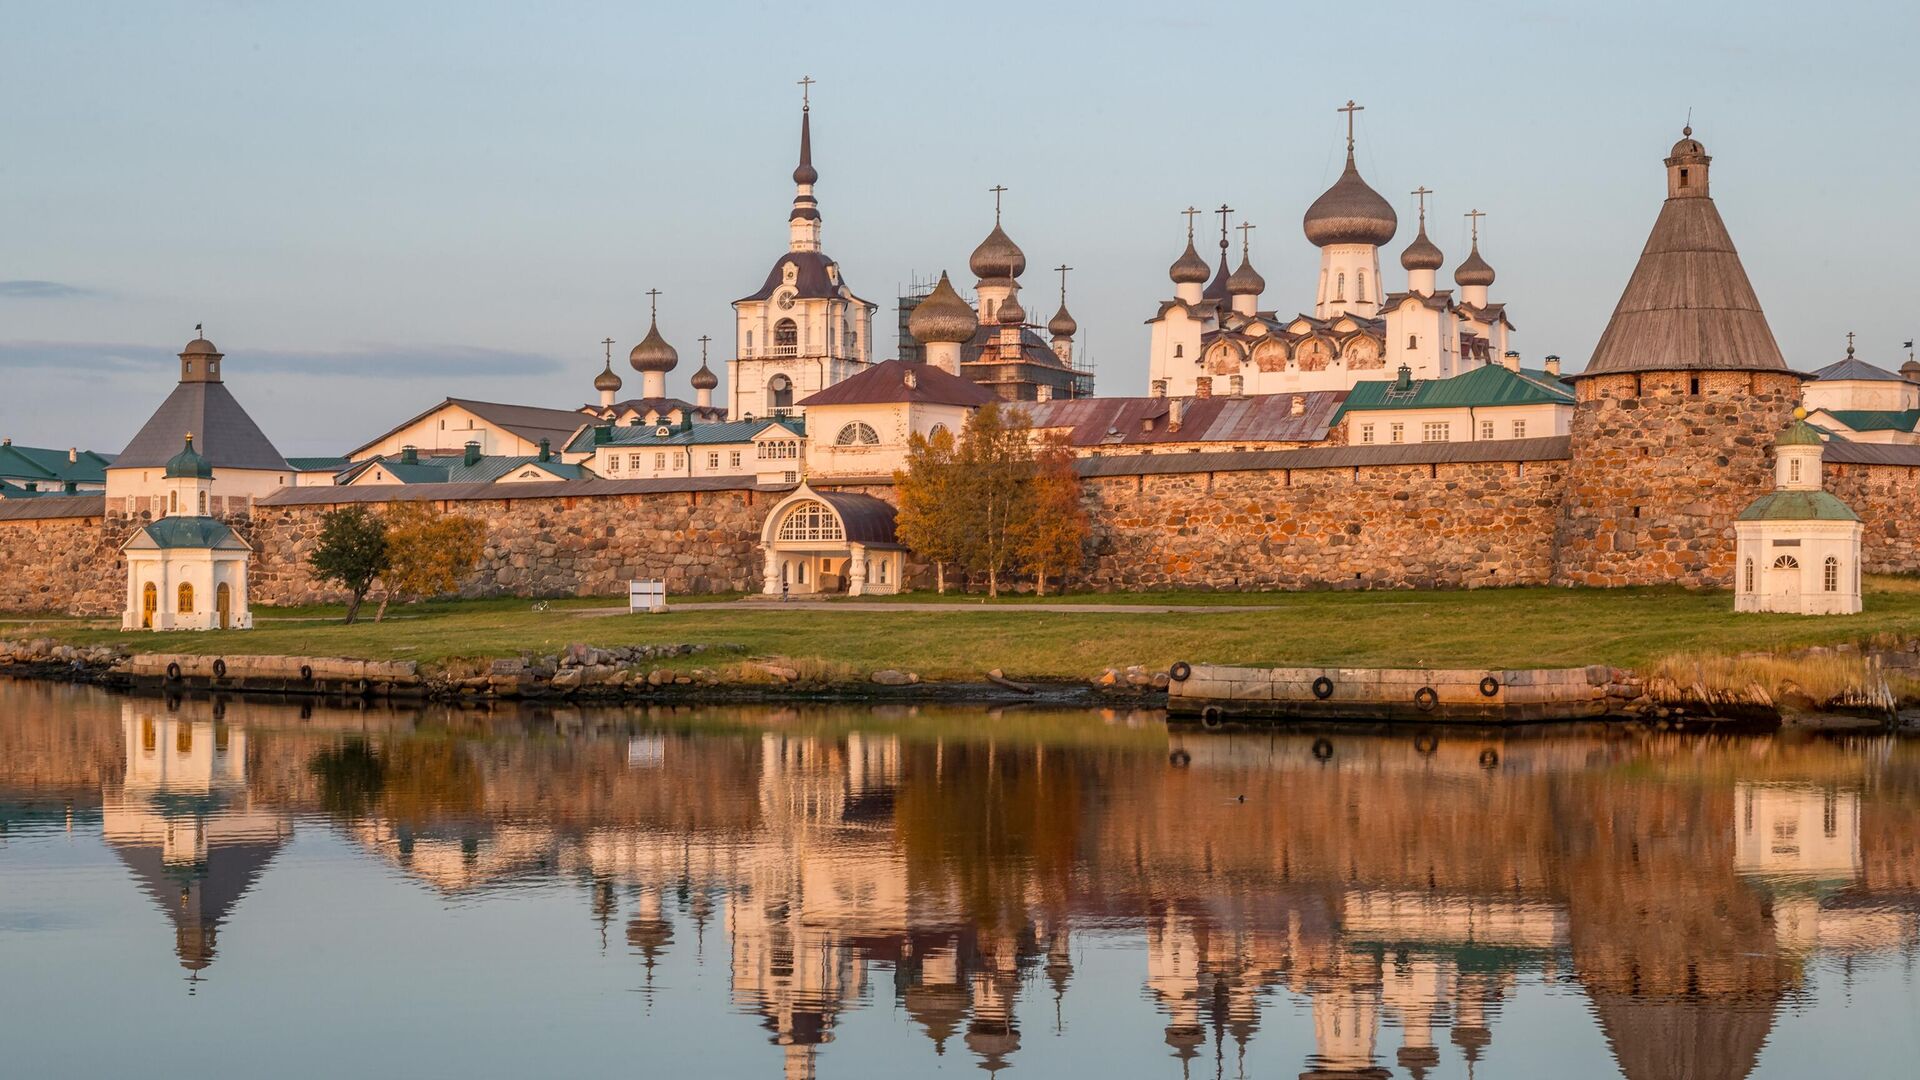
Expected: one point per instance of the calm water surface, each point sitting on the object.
(239, 890)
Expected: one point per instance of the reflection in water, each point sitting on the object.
(1397, 896)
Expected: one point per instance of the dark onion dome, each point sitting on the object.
(1473, 270)
(200, 347)
(1189, 268)
(1422, 254)
(998, 256)
(1910, 371)
(1062, 324)
(943, 316)
(187, 463)
(1350, 212)
(1246, 281)
(607, 380)
(1217, 288)
(653, 353)
(705, 379)
(804, 173)
(1011, 313)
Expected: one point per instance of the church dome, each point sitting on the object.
(1350, 212)
(998, 256)
(188, 463)
(653, 353)
(1688, 149)
(1062, 324)
(1189, 268)
(705, 379)
(1011, 313)
(607, 380)
(1910, 371)
(1473, 270)
(1246, 281)
(943, 316)
(200, 347)
(1422, 254)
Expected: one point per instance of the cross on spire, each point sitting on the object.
(1245, 227)
(704, 338)
(653, 300)
(1421, 193)
(1474, 216)
(998, 190)
(1350, 108)
(806, 87)
(1849, 343)
(1063, 268)
(1191, 212)
(1223, 212)
(609, 344)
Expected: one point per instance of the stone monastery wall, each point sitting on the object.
(60, 564)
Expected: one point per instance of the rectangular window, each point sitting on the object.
(1486, 429)
(660, 459)
(1398, 433)
(1436, 431)
(613, 463)
(1366, 434)
(733, 459)
(1519, 429)
(713, 459)
(634, 462)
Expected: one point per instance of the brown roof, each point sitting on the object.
(886, 382)
(53, 506)
(532, 489)
(1859, 453)
(529, 422)
(1551, 448)
(222, 432)
(1688, 305)
(867, 519)
(1121, 421)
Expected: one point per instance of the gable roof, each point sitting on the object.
(529, 422)
(659, 406)
(733, 431)
(40, 463)
(1104, 421)
(1876, 419)
(1856, 370)
(317, 464)
(185, 532)
(886, 383)
(1485, 386)
(455, 470)
(222, 432)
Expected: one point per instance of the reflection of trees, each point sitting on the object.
(351, 778)
(413, 782)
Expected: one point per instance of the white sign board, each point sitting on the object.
(649, 596)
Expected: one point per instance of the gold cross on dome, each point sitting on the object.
(1063, 268)
(1245, 227)
(704, 338)
(609, 344)
(1223, 212)
(806, 86)
(653, 298)
(1475, 216)
(1350, 108)
(1191, 212)
(998, 190)
(1421, 193)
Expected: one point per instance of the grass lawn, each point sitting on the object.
(1531, 627)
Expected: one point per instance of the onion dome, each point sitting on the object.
(1799, 433)
(943, 316)
(1189, 268)
(1246, 281)
(705, 379)
(998, 256)
(1062, 324)
(1473, 270)
(653, 353)
(1422, 254)
(1350, 212)
(188, 463)
(1011, 313)
(607, 380)
(1217, 288)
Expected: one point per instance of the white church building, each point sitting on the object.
(1797, 548)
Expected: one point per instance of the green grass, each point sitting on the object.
(1532, 627)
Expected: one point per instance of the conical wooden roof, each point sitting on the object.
(1689, 305)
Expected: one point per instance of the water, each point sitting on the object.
(194, 890)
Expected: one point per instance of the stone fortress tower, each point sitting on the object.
(1676, 408)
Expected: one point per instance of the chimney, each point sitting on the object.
(1175, 406)
(1159, 390)
(1553, 365)
(603, 433)
(8, 441)
(1203, 386)
(1404, 381)
(1510, 360)
(409, 455)
(70, 487)
(73, 455)
(472, 456)
(1234, 385)
(1298, 406)
(546, 450)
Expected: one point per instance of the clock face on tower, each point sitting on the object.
(785, 300)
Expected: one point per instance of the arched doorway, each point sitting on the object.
(779, 394)
(786, 338)
(149, 603)
(830, 542)
(223, 603)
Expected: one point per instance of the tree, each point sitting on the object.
(927, 520)
(352, 551)
(994, 494)
(1053, 537)
(428, 553)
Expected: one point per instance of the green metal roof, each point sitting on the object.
(1481, 387)
(1799, 433)
(188, 532)
(1798, 506)
(317, 464)
(187, 463)
(39, 464)
(453, 468)
(1876, 419)
(640, 435)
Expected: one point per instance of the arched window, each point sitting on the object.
(779, 393)
(937, 429)
(203, 504)
(1793, 471)
(185, 606)
(1179, 351)
(786, 338)
(1340, 287)
(173, 502)
(1831, 574)
(1749, 575)
(810, 521)
(1786, 562)
(857, 434)
(149, 603)
(1360, 286)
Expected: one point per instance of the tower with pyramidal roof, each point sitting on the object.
(1677, 407)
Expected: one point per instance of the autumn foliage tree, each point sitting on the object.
(351, 552)
(428, 553)
(1052, 538)
(925, 519)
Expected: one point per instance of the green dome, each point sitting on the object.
(187, 463)
(1799, 433)
(1798, 506)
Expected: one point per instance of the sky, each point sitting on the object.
(375, 206)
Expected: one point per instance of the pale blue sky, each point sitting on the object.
(373, 206)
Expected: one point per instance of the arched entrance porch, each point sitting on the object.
(817, 542)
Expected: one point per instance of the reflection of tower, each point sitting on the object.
(1415, 991)
(1802, 833)
(1346, 1021)
(649, 932)
(1173, 972)
(183, 822)
(939, 1000)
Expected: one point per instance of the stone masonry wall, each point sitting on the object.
(60, 565)
(1887, 498)
(1659, 471)
(1448, 525)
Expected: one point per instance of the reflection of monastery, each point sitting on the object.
(1683, 883)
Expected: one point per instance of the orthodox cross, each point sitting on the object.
(1223, 212)
(998, 190)
(653, 299)
(1421, 193)
(1475, 216)
(806, 86)
(609, 344)
(1849, 343)
(1350, 108)
(704, 338)
(1191, 213)
(1245, 228)
(1063, 268)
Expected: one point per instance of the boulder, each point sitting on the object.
(891, 677)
